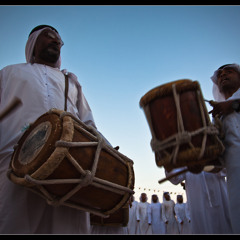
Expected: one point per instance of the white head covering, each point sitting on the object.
(85, 113)
(164, 199)
(178, 196)
(215, 91)
(157, 199)
(140, 198)
(30, 46)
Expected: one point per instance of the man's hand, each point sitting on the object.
(221, 108)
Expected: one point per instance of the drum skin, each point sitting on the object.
(161, 112)
(36, 148)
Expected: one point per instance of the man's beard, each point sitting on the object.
(50, 54)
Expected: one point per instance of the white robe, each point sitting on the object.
(168, 215)
(155, 216)
(183, 218)
(112, 230)
(143, 226)
(207, 201)
(40, 88)
(231, 128)
(132, 221)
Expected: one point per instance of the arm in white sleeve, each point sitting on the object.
(163, 213)
(176, 209)
(177, 179)
(187, 212)
(149, 212)
(137, 213)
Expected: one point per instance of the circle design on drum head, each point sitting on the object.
(34, 143)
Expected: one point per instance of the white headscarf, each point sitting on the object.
(85, 113)
(30, 47)
(215, 91)
(164, 199)
(140, 198)
(157, 199)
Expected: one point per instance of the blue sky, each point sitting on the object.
(121, 52)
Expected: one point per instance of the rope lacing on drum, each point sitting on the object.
(183, 136)
(87, 179)
(180, 138)
(87, 176)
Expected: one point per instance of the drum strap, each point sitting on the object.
(66, 91)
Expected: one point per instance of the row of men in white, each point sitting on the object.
(159, 218)
(153, 218)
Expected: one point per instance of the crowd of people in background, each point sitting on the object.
(166, 217)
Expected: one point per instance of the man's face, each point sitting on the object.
(154, 198)
(228, 79)
(144, 197)
(167, 196)
(48, 47)
(179, 198)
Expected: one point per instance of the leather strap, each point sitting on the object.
(66, 91)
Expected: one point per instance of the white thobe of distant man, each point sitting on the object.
(143, 225)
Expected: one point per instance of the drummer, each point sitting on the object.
(226, 91)
(39, 84)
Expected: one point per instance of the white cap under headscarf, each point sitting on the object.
(218, 96)
(31, 44)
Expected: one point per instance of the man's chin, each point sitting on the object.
(53, 52)
(52, 56)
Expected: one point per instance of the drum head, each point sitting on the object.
(166, 90)
(37, 144)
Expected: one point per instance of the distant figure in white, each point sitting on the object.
(183, 216)
(168, 214)
(132, 221)
(155, 216)
(143, 226)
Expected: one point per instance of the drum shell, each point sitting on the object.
(109, 168)
(162, 116)
(119, 218)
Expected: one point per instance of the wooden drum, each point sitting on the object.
(182, 134)
(69, 163)
(119, 218)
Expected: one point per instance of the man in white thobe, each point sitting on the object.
(207, 201)
(132, 221)
(182, 216)
(39, 84)
(168, 214)
(144, 225)
(155, 216)
(226, 91)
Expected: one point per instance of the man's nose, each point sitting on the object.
(223, 74)
(57, 41)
